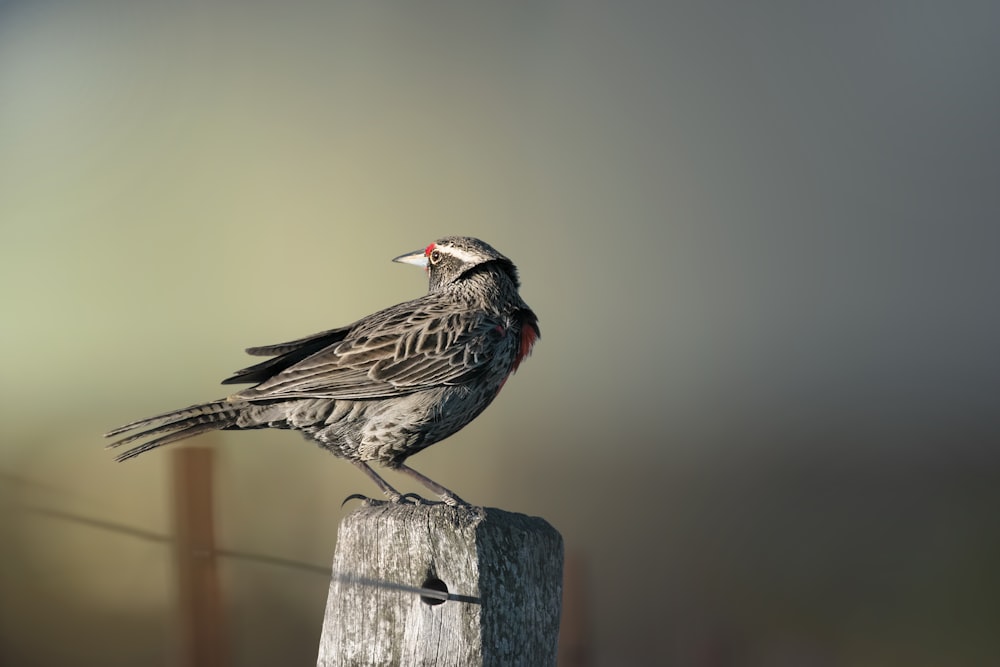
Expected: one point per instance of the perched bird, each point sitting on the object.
(389, 385)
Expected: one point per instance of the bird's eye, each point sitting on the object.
(435, 256)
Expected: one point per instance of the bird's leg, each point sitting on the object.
(447, 497)
(393, 495)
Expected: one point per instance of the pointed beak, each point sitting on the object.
(416, 258)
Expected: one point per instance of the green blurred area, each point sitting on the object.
(762, 242)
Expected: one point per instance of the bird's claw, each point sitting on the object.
(358, 496)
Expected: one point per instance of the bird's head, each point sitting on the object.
(455, 258)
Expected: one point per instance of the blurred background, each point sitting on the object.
(762, 240)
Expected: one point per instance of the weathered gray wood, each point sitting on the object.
(503, 573)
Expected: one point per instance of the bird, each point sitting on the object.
(387, 386)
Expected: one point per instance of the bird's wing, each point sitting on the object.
(288, 354)
(391, 353)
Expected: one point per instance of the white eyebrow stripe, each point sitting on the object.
(461, 255)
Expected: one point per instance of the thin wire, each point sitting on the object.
(138, 533)
(150, 536)
(423, 592)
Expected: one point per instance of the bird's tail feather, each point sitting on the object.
(176, 425)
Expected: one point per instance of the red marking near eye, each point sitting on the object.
(429, 250)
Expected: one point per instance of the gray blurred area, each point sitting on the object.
(763, 241)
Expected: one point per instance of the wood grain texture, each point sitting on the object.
(503, 572)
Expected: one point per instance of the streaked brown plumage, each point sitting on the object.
(389, 385)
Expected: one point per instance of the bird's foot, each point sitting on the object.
(416, 499)
(451, 500)
(408, 499)
(446, 496)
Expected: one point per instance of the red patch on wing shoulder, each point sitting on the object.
(529, 334)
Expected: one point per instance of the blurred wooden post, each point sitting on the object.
(203, 641)
(574, 631)
(502, 573)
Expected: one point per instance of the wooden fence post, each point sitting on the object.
(203, 640)
(436, 585)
